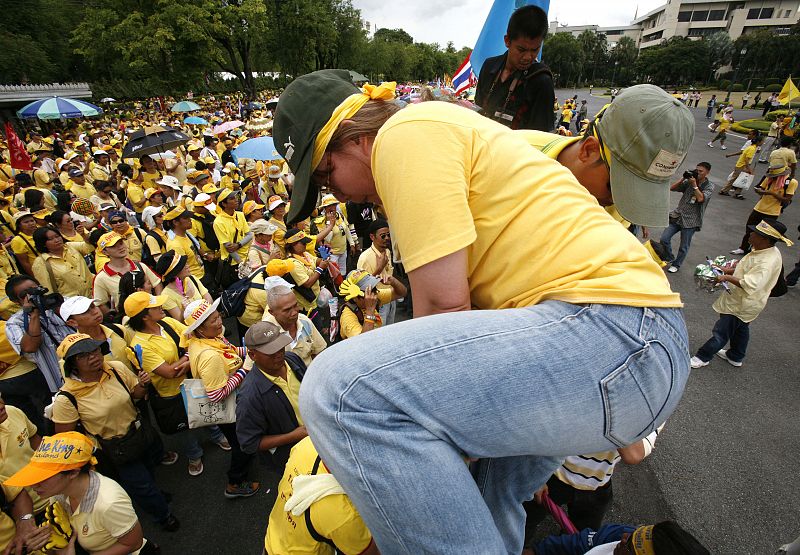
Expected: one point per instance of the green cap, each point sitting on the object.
(303, 110)
(648, 133)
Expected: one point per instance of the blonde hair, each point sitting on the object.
(366, 122)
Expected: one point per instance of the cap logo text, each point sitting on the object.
(664, 164)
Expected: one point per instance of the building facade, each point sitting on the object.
(698, 18)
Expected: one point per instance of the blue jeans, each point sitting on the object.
(686, 240)
(727, 328)
(394, 412)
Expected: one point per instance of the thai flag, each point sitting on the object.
(463, 77)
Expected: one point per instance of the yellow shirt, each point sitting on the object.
(133, 238)
(368, 261)
(15, 449)
(71, 274)
(255, 302)
(23, 245)
(723, 125)
(349, 326)
(106, 283)
(149, 180)
(136, 196)
(290, 387)
(566, 115)
(81, 191)
(158, 350)
(183, 245)
(7, 526)
(770, 205)
(301, 271)
(111, 517)
(118, 345)
(782, 158)
(339, 237)
(230, 229)
(105, 407)
(213, 361)
(746, 156)
(758, 273)
(491, 188)
(193, 291)
(333, 516)
(279, 234)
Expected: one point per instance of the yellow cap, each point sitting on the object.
(57, 453)
(109, 240)
(251, 205)
(278, 267)
(142, 300)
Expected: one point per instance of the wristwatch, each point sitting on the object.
(27, 516)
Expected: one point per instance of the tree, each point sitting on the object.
(563, 53)
(720, 49)
(623, 57)
(393, 35)
(678, 61)
(595, 52)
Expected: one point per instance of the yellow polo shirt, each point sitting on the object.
(279, 234)
(758, 273)
(105, 406)
(158, 350)
(334, 516)
(183, 245)
(490, 190)
(118, 345)
(230, 229)
(290, 387)
(71, 274)
(309, 341)
(131, 238)
(746, 156)
(213, 361)
(23, 245)
(106, 283)
(769, 204)
(8, 528)
(136, 196)
(16, 450)
(300, 272)
(111, 517)
(782, 157)
(193, 289)
(81, 191)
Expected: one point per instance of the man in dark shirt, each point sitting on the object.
(513, 88)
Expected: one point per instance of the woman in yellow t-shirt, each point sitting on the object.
(180, 287)
(101, 397)
(221, 367)
(590, 352)
(60, 267)
(99, 512)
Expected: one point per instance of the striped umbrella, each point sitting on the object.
(56, 107)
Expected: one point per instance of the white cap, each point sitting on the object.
(276, 203)
(274, 172)
(62, 163)
(74, 305)
(98, 152)
(203, 199)
(169, 181)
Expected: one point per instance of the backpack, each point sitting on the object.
(231, 301)
(147, 256)
(780, 288)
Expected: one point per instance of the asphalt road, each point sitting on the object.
(724, 467)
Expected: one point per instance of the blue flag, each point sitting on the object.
(490, 41)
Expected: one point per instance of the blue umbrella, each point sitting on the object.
(185, 106)
(260, 148)
(194, 120)
(56, 107)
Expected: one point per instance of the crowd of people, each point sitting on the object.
(121, 274)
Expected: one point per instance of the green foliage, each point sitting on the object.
(772, 115)
(772, 81)
(773, 88)
(738, 87)
(564, 56)
(746, 125)
(678, 61)
(724, 84)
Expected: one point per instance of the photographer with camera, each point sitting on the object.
(688, 216)
(36, 331)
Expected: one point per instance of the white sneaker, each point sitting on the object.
(723, 147)
(737, 251)
(710, 145)
(672, 269)
(697, 363)
(723, 354)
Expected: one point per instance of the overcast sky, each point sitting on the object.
(460, 21)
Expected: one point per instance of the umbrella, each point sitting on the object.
(227, 126)
(56, 107)
(194, 120)
(162, 155)
(258, 125)
(153, 140)
(260, 148)
(109, 99)
(271, 104)
(356, 77)
(185, 106)
(255, 106)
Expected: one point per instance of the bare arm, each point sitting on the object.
(441, 286)
(277, 440)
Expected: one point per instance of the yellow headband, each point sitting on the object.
(605, 153)
(346, 110)
(643, 541)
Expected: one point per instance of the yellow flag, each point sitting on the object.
(788, 92)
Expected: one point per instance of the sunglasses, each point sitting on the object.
(115, 222)
(384, 236)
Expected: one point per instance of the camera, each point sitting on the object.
(43, 300)
(690, 174)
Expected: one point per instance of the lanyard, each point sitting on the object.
(513, 86)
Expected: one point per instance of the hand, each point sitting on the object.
(301, 432)
(692, 182)
(382, 260)
(144, 379)
(37, 539)
(80, 228)
(539, 494)
(25, 530)
(354, 250)
(722, 278)
(645, 232)
(323, 264)
(370, 301)
(231, 247)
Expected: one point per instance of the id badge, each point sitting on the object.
(504, 115)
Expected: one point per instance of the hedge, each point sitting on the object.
(773, 88)
(747, 124)
(724, 84)
(738, 87)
